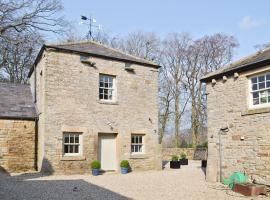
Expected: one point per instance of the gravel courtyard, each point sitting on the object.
(185, 183)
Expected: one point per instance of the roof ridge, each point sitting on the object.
(105, 46)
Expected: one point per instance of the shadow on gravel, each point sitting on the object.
(27, 187)
(23, 187)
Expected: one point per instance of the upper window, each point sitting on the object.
(106, 87)
(72, 143)
(260, 89)
(137, 143)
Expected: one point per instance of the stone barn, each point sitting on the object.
(17, 128)
(238, 104)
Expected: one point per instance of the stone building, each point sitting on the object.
(17, 128)
(238, 104)
(94, 102)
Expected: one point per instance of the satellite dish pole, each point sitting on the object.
(91, 25)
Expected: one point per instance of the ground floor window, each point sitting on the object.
(137, 143)
(72, 143)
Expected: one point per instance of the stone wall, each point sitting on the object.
(70, 102)
(246, 145)
(192, 154)
(17, 145)
(167, 153)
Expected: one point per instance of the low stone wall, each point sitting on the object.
(17, 145)
(167, 153)
(192, 154)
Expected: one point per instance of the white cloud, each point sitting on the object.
(249, 23)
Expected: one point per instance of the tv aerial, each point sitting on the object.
(90, 21)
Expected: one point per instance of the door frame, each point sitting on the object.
(117, 149)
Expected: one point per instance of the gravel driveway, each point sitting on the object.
(185, 183)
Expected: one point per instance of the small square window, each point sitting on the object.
(107, 87)
(71, 144)
(137, 143)
(254, 80)
(261, 78)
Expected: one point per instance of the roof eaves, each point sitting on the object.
(240, 68)
(102, 56)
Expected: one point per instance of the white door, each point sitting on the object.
(107, 151)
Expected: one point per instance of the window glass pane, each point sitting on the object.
(140, 148)
(77, 139)
(66, 139)
(263, 99)
(268, 84)
(101, 84)
(76, 149)
(255, 95)
(71, 149)
(137, 139)
(268, 77)
(255, 87)
(256, 101)
(65, 148)
(106, 85)
(132, 139)
(261, 78)
(105, 91)
(254, 80)
(262, 85)
(72, 139)
(140, 139)
(105, 96)
(136, 148)
(263, 93)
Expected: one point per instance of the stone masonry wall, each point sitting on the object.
(246, 146)
(71, 103)
(167, 153)
(17, 145)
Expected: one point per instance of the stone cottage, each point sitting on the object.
(17, 128)
(238, 104)
(94, 102)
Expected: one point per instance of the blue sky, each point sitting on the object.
(247, 20)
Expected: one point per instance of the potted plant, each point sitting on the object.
(175, 163)
(183, 159)
(95, 166)
(204, 163)
(124, 166)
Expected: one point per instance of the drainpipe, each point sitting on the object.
(222, 131)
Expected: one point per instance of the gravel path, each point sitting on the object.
(185, 183)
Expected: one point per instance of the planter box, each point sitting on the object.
(249, 189)
(204, 163)
(175, 164)
(183, 161)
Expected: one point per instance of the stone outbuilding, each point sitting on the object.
(94, 103)
(17, 128)
(238, 104)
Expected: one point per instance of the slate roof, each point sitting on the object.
(16, 101)
(261, 58)
(95, 49)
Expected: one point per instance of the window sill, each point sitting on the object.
(108, 102)
(138, 156)
(73, 158)
(254, 111)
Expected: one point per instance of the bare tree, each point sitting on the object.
(143, 45)
(21, 24)
(204, 55)
(30, 16)
(174, 60)
(17, 56)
